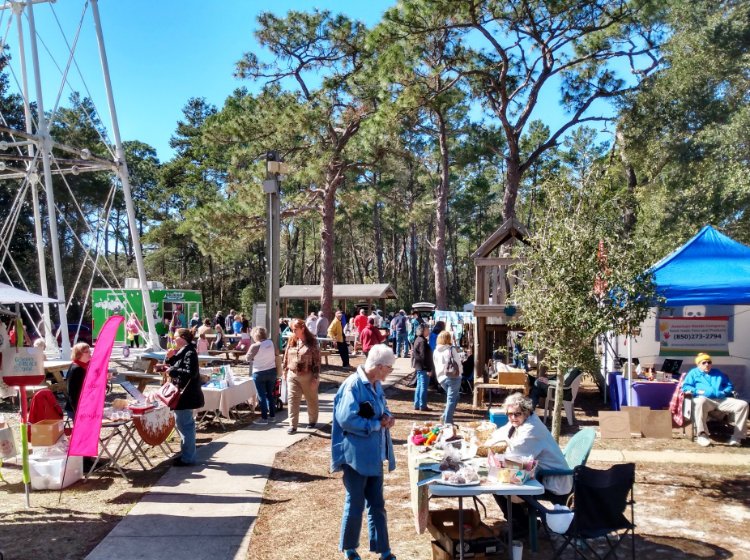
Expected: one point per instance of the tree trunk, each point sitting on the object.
(512, 180)
(441, 299)
(557, 410)
(334, 176)
(629, 212)
(376, 226)
(292, 252)
(413, 263)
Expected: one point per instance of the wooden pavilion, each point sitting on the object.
(341, 292)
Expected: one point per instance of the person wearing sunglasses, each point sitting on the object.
(712, 390)
(527, 436)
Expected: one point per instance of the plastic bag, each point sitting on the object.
(283, 395)
(559, 522)
(7, 443)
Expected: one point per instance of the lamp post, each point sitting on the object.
(275, 167)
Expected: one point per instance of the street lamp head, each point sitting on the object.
(272, 155)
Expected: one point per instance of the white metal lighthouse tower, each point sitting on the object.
(32, 148)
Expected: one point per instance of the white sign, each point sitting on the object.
(690, 335)
(19, 362)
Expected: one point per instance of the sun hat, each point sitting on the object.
(702, 357)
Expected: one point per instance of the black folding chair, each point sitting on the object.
(602, 511)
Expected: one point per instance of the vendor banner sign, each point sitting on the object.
(679, 336)
(22, 366)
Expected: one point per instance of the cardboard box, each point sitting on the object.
(55, 473)
(46, 432)
(480, 541)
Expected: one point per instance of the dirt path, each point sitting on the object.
(683, 511)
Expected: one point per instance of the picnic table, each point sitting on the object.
(231, 355)
(141, 378)
(153, 358)
(54, 371)
(228, 339)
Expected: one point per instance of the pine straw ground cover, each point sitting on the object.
(682, 511)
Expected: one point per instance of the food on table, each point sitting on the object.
(465, 475)
(120, 404)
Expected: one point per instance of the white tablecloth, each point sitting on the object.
(222, 400)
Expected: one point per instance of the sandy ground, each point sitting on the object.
(682, 511)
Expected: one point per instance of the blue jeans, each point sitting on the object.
(361, 491)
(420, 394)
(452, 386)
(402, 342)
(265, 382)
(186, 426)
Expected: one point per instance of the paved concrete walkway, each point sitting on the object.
(668, 456)
(208, 511)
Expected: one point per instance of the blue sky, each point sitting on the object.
(162, 52)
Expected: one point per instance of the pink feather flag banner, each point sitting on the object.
(88, 421)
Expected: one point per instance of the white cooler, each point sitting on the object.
(47, 473)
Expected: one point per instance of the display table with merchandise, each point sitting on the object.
(220, 401)
(640, 392)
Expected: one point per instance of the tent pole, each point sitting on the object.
(630, 369)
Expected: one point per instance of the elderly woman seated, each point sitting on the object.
(526, 435)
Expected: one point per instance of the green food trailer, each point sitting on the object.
(164, 303)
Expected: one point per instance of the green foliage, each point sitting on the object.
(686, 132)
(584, 275)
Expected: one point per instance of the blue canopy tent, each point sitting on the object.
(710, 269)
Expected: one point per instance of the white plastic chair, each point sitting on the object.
(549, 401)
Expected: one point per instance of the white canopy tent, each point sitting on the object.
(10, 295)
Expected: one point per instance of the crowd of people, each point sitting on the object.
(361, 444)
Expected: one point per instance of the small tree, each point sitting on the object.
(586, 278)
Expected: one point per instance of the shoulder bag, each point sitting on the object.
(170, 394)
(452, 368)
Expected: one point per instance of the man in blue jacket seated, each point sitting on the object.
(712, 390)
(360, 444)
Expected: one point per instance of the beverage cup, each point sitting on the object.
(517, 550)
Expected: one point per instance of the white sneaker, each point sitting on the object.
(734, 442)
(703, 440)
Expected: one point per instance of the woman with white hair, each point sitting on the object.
(360, 443)
(526, 435)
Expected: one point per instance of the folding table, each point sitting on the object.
(119, 434)
(530, 488)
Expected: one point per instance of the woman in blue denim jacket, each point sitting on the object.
(360, 443)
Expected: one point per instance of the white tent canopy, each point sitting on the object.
(10, 295)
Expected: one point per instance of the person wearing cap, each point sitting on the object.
(712, 390)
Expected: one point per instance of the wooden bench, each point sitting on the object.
(509, 381)
(324, 355)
